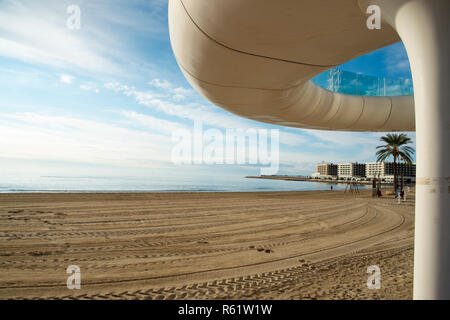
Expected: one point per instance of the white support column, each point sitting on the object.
(424, 27)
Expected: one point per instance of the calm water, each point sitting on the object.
(140, 184)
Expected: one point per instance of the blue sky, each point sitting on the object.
(105, 99)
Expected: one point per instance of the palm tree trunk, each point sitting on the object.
(402, 180)
(395, 175)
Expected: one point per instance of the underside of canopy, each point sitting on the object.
(256, 58)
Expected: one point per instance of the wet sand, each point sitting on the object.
(249, 245)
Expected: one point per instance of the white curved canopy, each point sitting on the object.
(256, 58)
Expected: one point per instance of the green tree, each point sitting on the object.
(396, 145)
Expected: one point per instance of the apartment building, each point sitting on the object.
(385, 170)
(326, 169)
(369, 170)
(351, 170)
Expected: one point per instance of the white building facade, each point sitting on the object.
(351, 170)
(368, 170)
(385, 171)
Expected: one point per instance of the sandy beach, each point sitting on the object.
(248, 245)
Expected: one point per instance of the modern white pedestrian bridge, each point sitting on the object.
(256, 58)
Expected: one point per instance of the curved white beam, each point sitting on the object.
(268, 79)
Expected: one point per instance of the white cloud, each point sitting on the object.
(341, 138)
(178, 97)
(182, 91)
(145, 141)
(195, 112)
(36, 32)
(66, 138)
(65, 78)
(396, 61)
(177, 93)
(292, 139)
(89, 87)
(349, 146)
(152, 123)
(149, 18)
(164, 84)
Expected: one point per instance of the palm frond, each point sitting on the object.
(396, 145)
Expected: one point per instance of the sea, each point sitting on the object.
(57, 184)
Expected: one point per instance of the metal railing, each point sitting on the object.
(338, 80)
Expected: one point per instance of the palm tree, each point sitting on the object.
(396, 146)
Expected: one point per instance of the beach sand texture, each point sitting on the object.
(252, 245)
